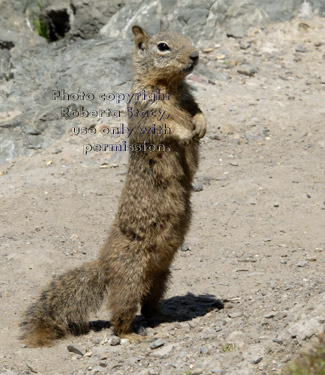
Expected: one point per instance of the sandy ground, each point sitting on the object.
(257, 239)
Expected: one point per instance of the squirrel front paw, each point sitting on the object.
(200, 126)
(184, 136)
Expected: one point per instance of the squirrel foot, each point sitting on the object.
(200, 126)
(134, 338)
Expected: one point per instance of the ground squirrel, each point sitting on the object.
(154, 209)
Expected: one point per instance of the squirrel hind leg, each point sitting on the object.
(150, 304)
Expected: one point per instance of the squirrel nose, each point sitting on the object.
(194, 56)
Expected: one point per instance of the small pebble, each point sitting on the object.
(192, 323)
(113, 341)
(256, 359)
(235, 314)
(124, 341)
(215, 137)
(247, 70)
(207, 50)
(157, 344)
(301, 49)
(203, 350)
(185, 247)
(244, 45)
(276, 204)
(197, 186)
(97, 369)
(75, 350)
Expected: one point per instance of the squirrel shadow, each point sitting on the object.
(174, 309)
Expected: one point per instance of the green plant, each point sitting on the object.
(228, 348)
(42, 27)
(311, 362)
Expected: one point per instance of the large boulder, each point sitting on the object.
(86, 47)
(208, 21)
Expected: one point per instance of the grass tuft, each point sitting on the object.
(42, 27)
(311, 362)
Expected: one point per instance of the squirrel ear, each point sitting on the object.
(141, 37)
(163, 26)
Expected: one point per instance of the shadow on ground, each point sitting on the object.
(174, 309)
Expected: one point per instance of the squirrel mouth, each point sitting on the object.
(189, 68)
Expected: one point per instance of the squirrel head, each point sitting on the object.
(163, 57)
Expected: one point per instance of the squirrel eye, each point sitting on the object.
(163, 47)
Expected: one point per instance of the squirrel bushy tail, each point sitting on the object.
(64, 306)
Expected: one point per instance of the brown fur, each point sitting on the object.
(154, 211)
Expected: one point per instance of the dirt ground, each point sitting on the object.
(257, 240)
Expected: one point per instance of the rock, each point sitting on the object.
(75, 350)
(185, 247)
(252, 201)
(192, 323)
(125, 341)
(306, 328)
(197, 186)
(207, 50)
(203, 350)
(39, 122)
(215, 137)
(300, 49)
(115, 340)
(254, 358)
(247, 70)
(91, 15)
(31, 65)
(157, 344)
(97, 369)
(101, 351)
(254, 354)
(244, 45)
(305, 11)
(278, 341)
(302, 264)
(163, 351)
(185, 326)
(276, 204)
